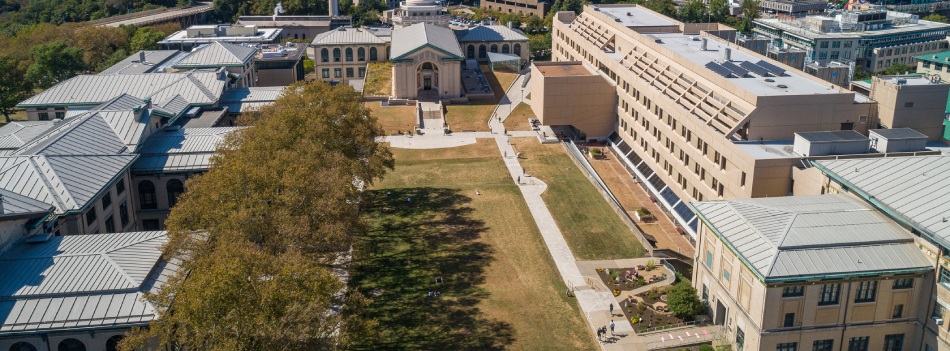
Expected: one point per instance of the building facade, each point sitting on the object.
(342, 55)
(936, 64)
(296, 27)
(538, 8)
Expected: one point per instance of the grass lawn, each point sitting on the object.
(518, 119)
(500, 287)
(378, 79)
(393, 118)
(474, 116)
(589, 225)
(19, 115)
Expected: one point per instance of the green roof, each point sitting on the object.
(939, 57)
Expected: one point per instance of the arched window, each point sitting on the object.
(336, 55)
(175, 188)
(113, 343)
(147, 195)
(504, 49)
(349, 54)
(71, 345)
(494, 48)
(518, 49)
(481, 51)
(303, 36)
(324, 55)
(361, 54)
(372, 54)
(471, 51)
(428, 65)
(295, 36)
(23, 346)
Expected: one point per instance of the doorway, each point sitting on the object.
(720, 316)
(427, 83)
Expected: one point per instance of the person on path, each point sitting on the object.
(611, 327)
(506, 153)
(611, 310)
(519, 183)
(522, 171)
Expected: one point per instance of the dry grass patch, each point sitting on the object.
(518, 119)
(500, 287)
(378, 79)
(475, 115)
(393, 118)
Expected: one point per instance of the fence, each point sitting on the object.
(578, 157)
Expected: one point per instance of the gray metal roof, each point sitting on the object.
(217, 54)
(409, 39)
(239, 100)
(81, 281)
(832, 136)
(16, 133)
(490, 33)
(68, 182)
(196, 87)
(913, 189)
(155, 60)
(346, 36)
(14, 203)
(899, 133)
(797, 237)
(181, 150)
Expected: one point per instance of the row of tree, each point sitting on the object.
(257, 236)
(39, 56)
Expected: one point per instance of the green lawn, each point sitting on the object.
(501, 288)
(589, 225)
(378, 79)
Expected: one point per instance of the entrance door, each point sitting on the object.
(720, 312)
(427, 83)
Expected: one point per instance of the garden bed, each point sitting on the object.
(630, 278)
(641, 316)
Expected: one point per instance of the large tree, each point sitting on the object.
(99, 42)
(53, 63)
(935, 18)
(693, 11)
(897, 69)
(13, 87)
(683, 300)
(718, 10)
(751, 11)
(258, 234)
(145, 39)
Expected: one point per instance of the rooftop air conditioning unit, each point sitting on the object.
(937, 320)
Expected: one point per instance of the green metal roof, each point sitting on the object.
(939, 57)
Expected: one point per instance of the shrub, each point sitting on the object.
(651, 265)
(614, 275)
(684, 302)
(643, 212)
(706, 347)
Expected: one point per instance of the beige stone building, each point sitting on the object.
(697, 117)
(341, 55)
(538, 8)
(820, 273)
(915, 102)
(572, 93)
(427, 60)
(936, 64)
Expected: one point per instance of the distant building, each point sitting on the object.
(195, 36)
(296, 27)
(342, 54)
(908, 101)
(538, 8)
(279, 65)
(822, 272)
(873, 40)
(793, 7)
(935, 64)
(420, 11)
(146, 61)
(235, 61)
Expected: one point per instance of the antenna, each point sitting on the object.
(277, 10)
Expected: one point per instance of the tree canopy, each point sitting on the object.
(53, 63)
(258, 234)
(896, 69)
(13, 87)
(145, 39)
(935, 18)
(683, 300)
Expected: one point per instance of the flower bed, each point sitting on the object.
(630, 278)
(642, 316)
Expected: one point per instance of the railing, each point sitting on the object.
(700, 322)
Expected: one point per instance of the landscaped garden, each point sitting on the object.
(663, 306)
(429, 231)
(590, 227)
(629, 279)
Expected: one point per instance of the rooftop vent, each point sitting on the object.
(629, 14)
(727, 54)
(770, 80)
(783, 86)
(704, 43)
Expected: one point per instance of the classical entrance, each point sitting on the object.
(428, 81)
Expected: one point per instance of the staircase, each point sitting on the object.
(431, 118)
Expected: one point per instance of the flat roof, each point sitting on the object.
(794, 82)
(915, 79)
(899, 134)
(921, 26)
(768, 149)
(832, 136)
(564, 69)
(635, 16)
(263, 34)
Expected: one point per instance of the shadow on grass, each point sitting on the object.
(409, 245)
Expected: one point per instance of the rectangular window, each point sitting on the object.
(894, 342)
(898, 311)
(362, 71)
(705, 294)
(938, 311)
(905, 283)
(60, 115)
(791, 346)
(740, 338)
(349, 72)
(824, 45)
(124, 214)
(106, 199)
(828, 295)
(858, 344)
(742, 180)
(91, 215)
(110, 225)
(793, 291)
(944, 277)
(326, 73)
(150, 224)
(44, 116)
(789, 320)
(120, 186)
(338, 73)
(823, 55)
(725, 275)
(835, 44)
(823, 345)
(867, 291)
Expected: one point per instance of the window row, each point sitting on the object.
(893, 342)
(483, 50)
(147, 199)
(828, 293)
(338, 72)
(360, 54)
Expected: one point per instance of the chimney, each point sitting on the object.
(142, 56)
(148, 103)
(704, 40)
(334, 8)
(509, 24)
(727, 54)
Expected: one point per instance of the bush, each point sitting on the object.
(643, 212)
(705, 347)
(684, 302)
(307, 66)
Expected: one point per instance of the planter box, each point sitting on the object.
(596, 156)
(647, 217)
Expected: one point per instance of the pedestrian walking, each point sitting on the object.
(506, 153)
(522, 171)
(611, 310)
(611, 327)
(519, 180)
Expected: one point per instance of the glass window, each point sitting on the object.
(60, 115)
(175, 188)
(828, 295)
(789, 319)
(71, 345)
(150, 224)
(740, 338)
(793, 291)
(91, 215)
(349, 72)
(362, 71)
(518, 49)
(113, 343)
(894, 342)
(44, 116)
(361, 54)
(823, 345)
(504, 49)
(938, 311)
(709, 259)
(944, 277)
(494, 48)
(867, 291)
(147, 195)
(124, 215)
(705, 293)
(898, 311)
(372, 54)
(791, 346)
(326, 73)
(349, 54)
(337, 73)
(336, 55)
(823, 55)
(23, 346)
(725, 274)
(823, 45)
(905, 283)
(834, 55)
(110, 224)
(836, 44)
(858, 344)
(106, 199)
(324, 55)
(120, 186)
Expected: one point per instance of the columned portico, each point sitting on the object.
(426, 63)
